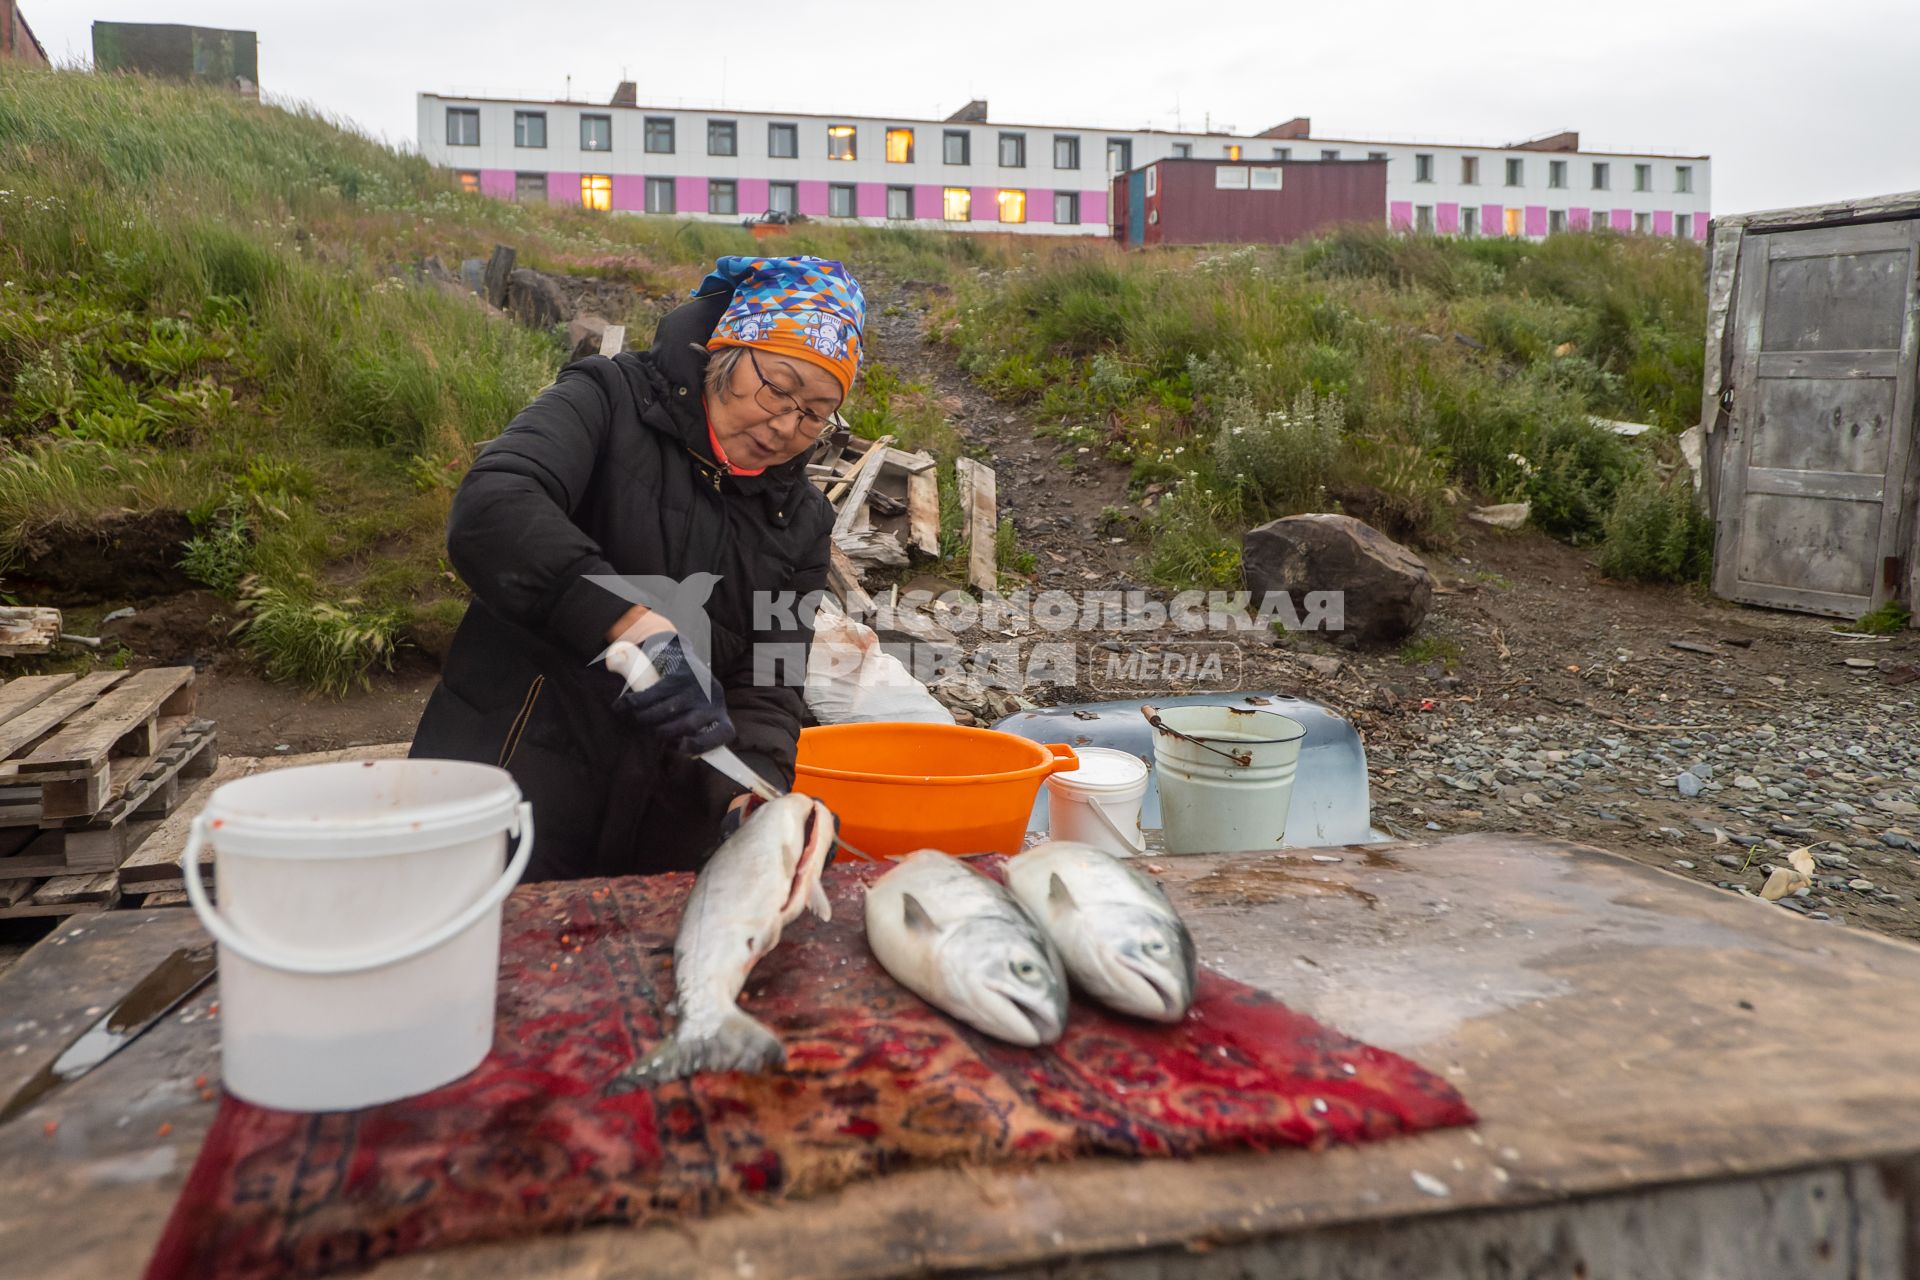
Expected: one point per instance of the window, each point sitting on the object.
(470, 180)
(1469, 171)
(1013, 151)
(1066, 208)
(900, 203)
(1119, 155)
(1556, 221)
(1683, 178)
(1182, 150)
(723, 196)
(596, 133)
(1600, 219)
(1643, 177)
(782, 197)
(956, 204)
(1066, 151)
(1516, 172)
(659, 135)
(1283, 153)
(463, 126)
(1683, 225)
(1423, 219)
(1510, 221)
(1422, 168)
(1602, 176)
(841, 139)
(1013, 206)
(1330, 155)
(660, 195)
(1469, 221)
(840, 200)
(1153, 179)
(1232, 150)
(1381, 155)
(723, 138)
(529, 128)
(1556, 173)
(956, 147)
(899, 146)
(1642, 223)
(529, 186)
(783, 142)
(596, 192)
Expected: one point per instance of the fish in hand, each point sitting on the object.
(959, 941)
(1120, 939)
(756, 883)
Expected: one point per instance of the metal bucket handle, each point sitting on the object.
(1243, 759)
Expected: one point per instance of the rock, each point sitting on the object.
(1386, 589)
(1689, 785)
(1506, 515)
(1747, 782)
(1860, 885)
(473, 274)
(1320, 664)
(498, 275)
(1683, 864)
(536, 300)
(1730, 860)
(584, 333)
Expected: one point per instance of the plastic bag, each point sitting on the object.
(852, 680)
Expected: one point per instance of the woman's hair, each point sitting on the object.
(720, 370)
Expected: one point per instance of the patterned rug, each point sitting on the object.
(537, 1139)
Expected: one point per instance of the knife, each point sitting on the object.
(624, 658)
(152, 998)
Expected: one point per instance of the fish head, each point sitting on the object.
(1003, 970)
(801, 831)
(1147, 961)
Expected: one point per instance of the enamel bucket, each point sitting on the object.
(1226, 777)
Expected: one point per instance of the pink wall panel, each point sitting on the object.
(1400, 215)
(690, 195)
(986, 204)
(1579, 219)
(1093, 206)
(1700, 225)
(1536, 219)
(753, 195)
(929, 201)
(813, 199)
(1663, 222)
(1493, 219)
(629, 191)
(1446, 219)
(497, 183)
(563, 188)
(1039, 204)
(1623, 219)
(870, 200)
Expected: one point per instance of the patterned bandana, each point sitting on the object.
(807, 308)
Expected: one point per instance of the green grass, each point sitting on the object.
(1890, 619)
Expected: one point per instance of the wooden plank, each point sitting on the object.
(1829, 364)
(923, 513)
(12, 891)
(24, 727)
(613, 340)
(66, 896)
(27, 629)
(165, 898)
(23, 693)
(138, 774)
(852, 492)
(1901, 205)
(45, 856)
(981, 509)
(1847, 486)
(911, 463)
(844, 581)
(128, 707)
(1875, 237)
(76, 797)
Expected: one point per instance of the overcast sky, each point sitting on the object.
(1796, 100)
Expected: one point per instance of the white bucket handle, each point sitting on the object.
(1106, 820)
(227, 936)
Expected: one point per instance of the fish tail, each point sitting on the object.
(739, 1043)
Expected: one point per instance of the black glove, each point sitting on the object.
(675, 709)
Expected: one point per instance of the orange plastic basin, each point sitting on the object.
(901, 787)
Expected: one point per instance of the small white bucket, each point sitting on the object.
(359, 925)
(1099, 803)
(1226, 777)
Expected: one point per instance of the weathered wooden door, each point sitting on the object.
(1822, 422)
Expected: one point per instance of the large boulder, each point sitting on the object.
(584, 335)
(536, 300)
(1387, 589)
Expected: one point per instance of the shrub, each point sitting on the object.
(1196, 537)
(1576, 471)
(1656, 533)
(325, 646)
(1280, 460)
(222, 556)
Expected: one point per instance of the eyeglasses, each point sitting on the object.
(780, 402)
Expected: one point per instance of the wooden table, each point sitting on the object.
(1674, 1082)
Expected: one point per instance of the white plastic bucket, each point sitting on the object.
(1099, 803)
(358, 925)
(1226, 777)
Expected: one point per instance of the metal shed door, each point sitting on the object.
(1822, 424)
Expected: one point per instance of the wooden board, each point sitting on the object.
(923, 513)
(22, 728)
(851, 493)
(23, 693)
(980, 508)
(613, 340)
(131, 710)
(60, 801)
(26, 629)
(67, 896)
(100, 841)
(844, 581)
(1631, 1040)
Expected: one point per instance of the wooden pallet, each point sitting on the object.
(75, 739)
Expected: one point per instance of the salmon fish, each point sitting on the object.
(959, 941)
(756, 883)
(1120, 939)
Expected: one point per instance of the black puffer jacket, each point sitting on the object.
(609, 471)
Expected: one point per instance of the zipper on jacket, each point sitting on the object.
(519, 725)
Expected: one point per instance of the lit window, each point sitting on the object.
(723, 196)
(723, 138)
(957, 147)
(1233, 150)
(1602, 176)
(1643, 177)
(596, 192)
(1469, 221)
(782, 197)
(1683, 178)
(596, 133)
(470, 180)
(1422, 167)
(783, 141)
(1066, 208)
(899, 146)
(1683, 225)
(1330, 153)
(1516, 172)
(840, 141)
(1183, 151)
(529, 128)
(1013, 151)
(900, 203)
(1511, 222)
(1642, 223)
(957, 204)
(659, 135)
(1423, 219)
(1556, 173)
(1556, 221)
(529, 186)
(1013, 206)
(463, 126)
(1066, 151)
(660, 195)
(839, 200)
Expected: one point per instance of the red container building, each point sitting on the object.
(1182, 201)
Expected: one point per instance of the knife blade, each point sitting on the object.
(626, 659)
(151, 999)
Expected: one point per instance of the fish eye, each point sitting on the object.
(1156, 947)
(1026, 970)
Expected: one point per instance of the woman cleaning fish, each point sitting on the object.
(649, 497)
